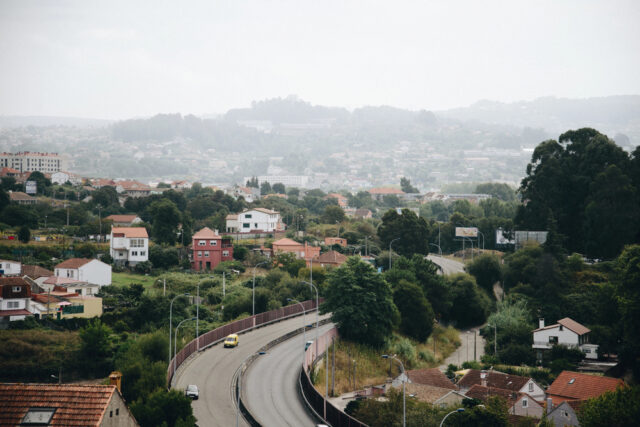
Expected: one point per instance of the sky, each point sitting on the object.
(121, 59)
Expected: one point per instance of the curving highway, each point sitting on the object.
(270, 385)
(448, 266)
(213, 370)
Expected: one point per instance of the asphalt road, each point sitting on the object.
(465, 352)
(448, 266)
(213, 369)
(270, 385)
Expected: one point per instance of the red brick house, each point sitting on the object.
(209, 249)
(578, 386)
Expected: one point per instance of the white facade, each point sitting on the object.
(96, 272)
(10, 268)
(534, 390)
(545, 338)
(131, 250)
(256, 220)
(61, 177)
(30, 161)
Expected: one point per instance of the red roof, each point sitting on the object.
(206, 233)
(130, 232)
(55, 280)
(35, 271)
(575, 385)
(568, 323)
(331, 257)
(483, 393)
(432, 377)
(286, 242)
(21, 312)
(73, 263)
(493, 379)
(122, 218)
(75, 405)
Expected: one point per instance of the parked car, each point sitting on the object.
(231, 341)
(192, 391)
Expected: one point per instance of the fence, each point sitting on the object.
(334, 416)
(238, 326)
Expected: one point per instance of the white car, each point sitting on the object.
(192, 391)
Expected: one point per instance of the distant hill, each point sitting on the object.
(286, 110)
(42, 121)
(608, 114)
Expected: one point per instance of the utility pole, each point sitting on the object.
(475, 345)
(333, 369)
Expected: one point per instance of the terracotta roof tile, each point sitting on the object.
(206, 233)
(35, 271)
(433, 377)
(483, 393)
(75, 405)
(140, 232)
(331, 257)
(574, 326)
(286, 242)
(122, 218)
(19, 312)
(493, 379)
(73, 263)
(426, 393)
(575, 385)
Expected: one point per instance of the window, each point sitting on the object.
(136, 243)
(69, 273)
(213, 243)
(530, 386)
(553, 340)
(587, 350)
(525, 403)
(202, 243)
(560, 328)
(13, 304)
(134, 253)
(79, 291)
(117, 411)
(120, 254)
(16, 289)
(143, 253)
(225, 253)
(199, 254)
(246, 225)
(247, 216)
(255, 225)
(206, 253)
(111, 414)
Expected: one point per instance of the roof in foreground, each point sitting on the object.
(577, 385)
(73, 405)
(73, 263)
(494, 379)
(206, 233)
(433, 377)
(140, 232)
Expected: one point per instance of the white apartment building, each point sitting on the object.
(129, 245)
(299, 181)
(61, 177)
(27, 161)
(258, 220)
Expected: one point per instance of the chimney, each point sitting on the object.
(541, 322)
(115, 378)
(483, 378)
(549, 405)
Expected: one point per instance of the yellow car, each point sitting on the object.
(231, 341)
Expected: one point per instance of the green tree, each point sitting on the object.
(104, 196)
(278, 187)
(43, 183)
(613, 408)
(164, 408)
(627, 270)
(165, 219)
(24, 234)
(470, 304)
(405, 185)
(500, 191)
(96, 346)
(253, 182)
(265, 188)
(416, 314)
(361, 303)
(332, 214)
(411, 231)
(487, 270)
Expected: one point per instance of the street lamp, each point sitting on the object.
(452, 412)
(304, 331)
(482, 240)
(390, 253)
(175, 345)
(317, 312)
(239, 385)
(437, 246)
(254, 287)
(404, 379)
(170, 321)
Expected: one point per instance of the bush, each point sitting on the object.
(517, 354)
(143, 267)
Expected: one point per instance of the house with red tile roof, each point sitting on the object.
(330, 241)
(437, 396)
(519, 403)
(330, 259)
(209, 249)
(129, 245)
(343, 201)
(380, 192)
(577, 386)
(566, 332)
(85, 269)
(15, 293)
(433, 377)
(21, 198)
(123, 220)
(301, 251)
(35, 271)
(132, 189)
(63, 405)
(495, 379)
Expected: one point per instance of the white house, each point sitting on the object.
(85, 270)
(129, 245)
(499, 380)
(15, 294)
(10, 268)
(566, 332)
(62, 177)
(258, 220)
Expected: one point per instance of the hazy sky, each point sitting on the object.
(118, 59)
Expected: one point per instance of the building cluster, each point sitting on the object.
(560, 402)
(68, 291)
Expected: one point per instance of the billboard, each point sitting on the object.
(502, 239)
(31, 187)
(466, 232)
(523, 237)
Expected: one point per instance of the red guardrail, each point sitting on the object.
(242, 325)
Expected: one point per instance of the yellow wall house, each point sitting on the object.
(82, 306)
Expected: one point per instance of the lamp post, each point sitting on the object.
(482, 239)
(495, 338)
(175, 345)
(170, 321)
(317, 312)
(253, 311)
(452, 412)
(304, 331)
(437, 246)
(404, 380)
(239, 386)
(390, 253)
